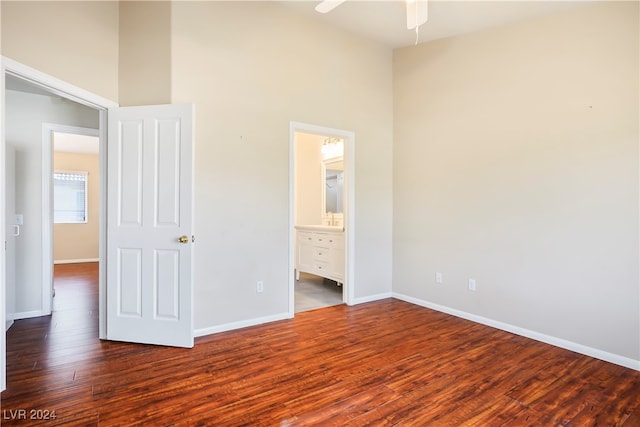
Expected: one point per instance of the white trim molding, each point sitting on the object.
(75, 261)
(3, 286)
(239, 325)
(547, 339)
(55, 85)
(371, 298)
(48, 129)
(29, 314)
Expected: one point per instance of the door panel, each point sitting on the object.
(130, 282)
(12, 231)
(167, 173)
(167, 282)
(129, 160)
(149, 289)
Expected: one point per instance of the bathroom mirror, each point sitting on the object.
(333, 180)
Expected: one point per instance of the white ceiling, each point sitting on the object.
(385, 21)
(72, 143)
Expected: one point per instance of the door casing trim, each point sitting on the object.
(74, 93)
(349, 207)
(47, 203)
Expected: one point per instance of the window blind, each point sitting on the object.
(70, 197)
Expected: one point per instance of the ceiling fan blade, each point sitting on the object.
(417, 13)
(328, 5)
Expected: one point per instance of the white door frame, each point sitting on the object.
(66, 90)
(349, 212)
(3, 284)
(47, 206)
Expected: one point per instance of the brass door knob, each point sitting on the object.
(183, 239)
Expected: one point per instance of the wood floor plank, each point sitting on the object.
(382, 363)
(633, 420)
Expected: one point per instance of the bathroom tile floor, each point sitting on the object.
(315, 292)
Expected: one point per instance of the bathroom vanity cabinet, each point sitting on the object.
(320, 251)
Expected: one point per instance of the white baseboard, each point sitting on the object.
(372, 298)
(29, 314)
(548, 339)
(239, 325)
(75, 261)
(8, 324)
(266, 319)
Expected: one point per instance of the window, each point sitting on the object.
(70, 197)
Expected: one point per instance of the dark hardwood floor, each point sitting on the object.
(381, 363)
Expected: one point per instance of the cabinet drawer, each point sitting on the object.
(321, 267)
(321, 254)
(336, 241)
(304, 236)
(327, 240)
(320, 239)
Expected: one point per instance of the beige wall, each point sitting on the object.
(79, 241)
(76, 41)
(248, 82)
(308, 180)
(516, 163)
(145, 53)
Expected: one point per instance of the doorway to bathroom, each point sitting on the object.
(321, 227)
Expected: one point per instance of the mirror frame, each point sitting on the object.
(330, 218)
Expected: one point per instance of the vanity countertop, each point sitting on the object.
(320, 227)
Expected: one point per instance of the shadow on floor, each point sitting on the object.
(315, 292)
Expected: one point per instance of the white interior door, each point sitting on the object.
(149, 235)
(11, 233)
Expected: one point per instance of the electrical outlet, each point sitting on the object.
(472, 284)
(259, 286)
(438, 277)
